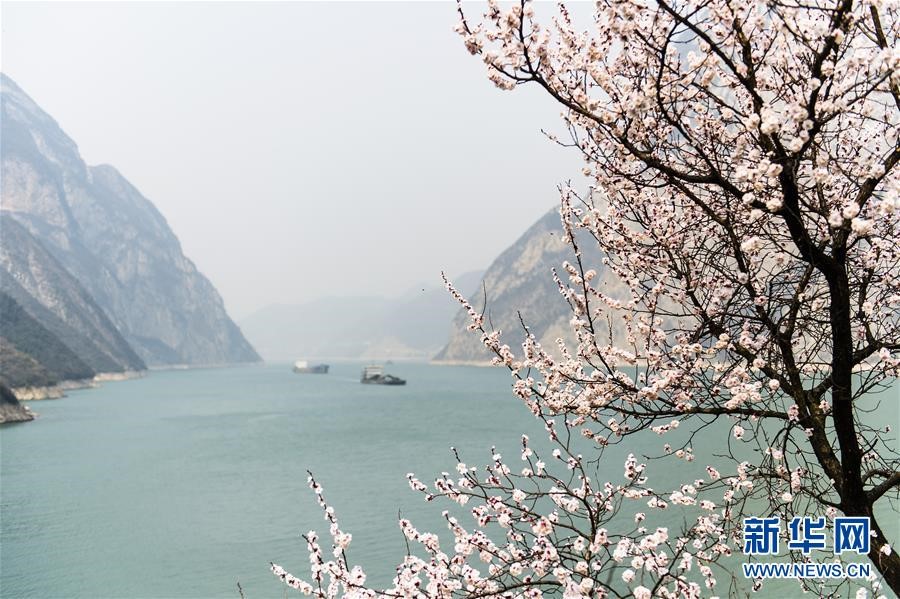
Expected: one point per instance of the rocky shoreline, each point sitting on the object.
(10, 408)
(106, 377)
(19, 413)
(58, 391)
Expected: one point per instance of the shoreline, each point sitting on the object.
(164, 367)
(476, 363)
(59, 390)
(396, 360)
(17, 412)
(30, 393)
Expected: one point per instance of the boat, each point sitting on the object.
(304, 367)
(374, 375)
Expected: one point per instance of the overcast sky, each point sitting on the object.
(298, 150)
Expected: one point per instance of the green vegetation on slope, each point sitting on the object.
(32, 355)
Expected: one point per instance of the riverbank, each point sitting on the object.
(15, 413)
(58, 391)
(10, 408)
(478, 363)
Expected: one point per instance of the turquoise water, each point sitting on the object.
(182, 483)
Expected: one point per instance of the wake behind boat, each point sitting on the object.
(374, 375)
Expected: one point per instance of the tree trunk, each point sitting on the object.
(853, 496)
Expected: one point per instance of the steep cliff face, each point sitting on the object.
(35, 286)
(520, 281)
(30, 355)
(113, 241)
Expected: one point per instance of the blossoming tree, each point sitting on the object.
(741, 158)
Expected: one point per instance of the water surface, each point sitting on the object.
(182, 483)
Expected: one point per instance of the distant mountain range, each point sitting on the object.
(413, 326)
(88, 264)
(428, 324)
(92, 279)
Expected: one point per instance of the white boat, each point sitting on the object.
(374, 375)
(304, 367)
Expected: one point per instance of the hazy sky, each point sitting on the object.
(298, 150)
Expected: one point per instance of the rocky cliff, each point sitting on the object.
(10, 408)
(40, 295)
(113, 241)
(32, 356)
(520, 281)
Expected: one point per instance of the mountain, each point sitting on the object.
(520, 281)
(113, 241)
(32, 356)
(38, 294)
(412, 326)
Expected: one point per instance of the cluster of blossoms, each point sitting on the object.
(742, 217)
(744, 197)
(539, 533)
